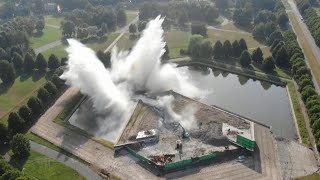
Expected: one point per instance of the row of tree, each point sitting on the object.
(199, 48)
(17, 63)
(272, 11)
(303, 77)
(311, 18)
(180, 12)
(93, 21)
(36, 105)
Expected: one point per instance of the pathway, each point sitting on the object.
(53, 26)
(82, 169)
(48, 46)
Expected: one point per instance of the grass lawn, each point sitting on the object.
(298, 114)
(176, 40)
(315, 67)
(315, 176)
(59, 51)
(53, 20)
(39, 166)
(49, 35)
(104, 45)
(13, 97)
(215, 35)
(131, 15)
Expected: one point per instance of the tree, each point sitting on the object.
(28, 63)
(7, 72)
(142, 25)
(44, 95)
(11, 174)
(236, 49)
(211, 14)
(218, 50)
(257, 55)
(57, 81)
(206, 49)
(195, 45)
(268, 64)
(3, 136)
(15, 123)
(40, 25)
(132, 28)
(258, 32)
(20, 146)
(282, 57)
(41, 62)
(25, 113)
(35, 105)
(242, 17)
(121, 18)
(64, 61)
(182, 18)
(17, 61)
(227, 48)
(222, 4)
(199, 28)
(245, 59)
(283, 19)
(68, 28)
(276, 35)
(51, 88)
(104, 28)
(242, 45)
(307, 91)
(3, 54)
(53, 62)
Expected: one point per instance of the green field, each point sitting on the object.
(176, 40)
(59, 51)
(221, 35)
(13, 97)
(56, 21)
(299, 116)
(315, 176)
(39, 166)
(131, 15)
(49, 35)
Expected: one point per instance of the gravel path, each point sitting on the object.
(82, 169)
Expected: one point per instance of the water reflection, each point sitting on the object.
(259, 100)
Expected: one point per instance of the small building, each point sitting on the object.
(51, 7)
(149, 136)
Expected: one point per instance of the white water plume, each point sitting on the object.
(140, 70)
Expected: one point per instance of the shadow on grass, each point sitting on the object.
(37, 75)
(18, 162)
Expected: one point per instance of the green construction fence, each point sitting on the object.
(246, 143)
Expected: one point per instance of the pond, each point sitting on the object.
(258, 100)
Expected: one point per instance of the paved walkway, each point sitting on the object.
(82, 169)
(48, 46)
(53, 26)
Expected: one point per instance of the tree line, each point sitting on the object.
(27, 114)
(268, 11)
(311, 18)
(200, 48)
(179, 12)
(92, 23)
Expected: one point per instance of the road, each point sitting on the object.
(307, 36)
(82, 169)
(315, 50)
(122, 32)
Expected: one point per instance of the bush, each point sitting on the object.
(20, 146)
(307, 91)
